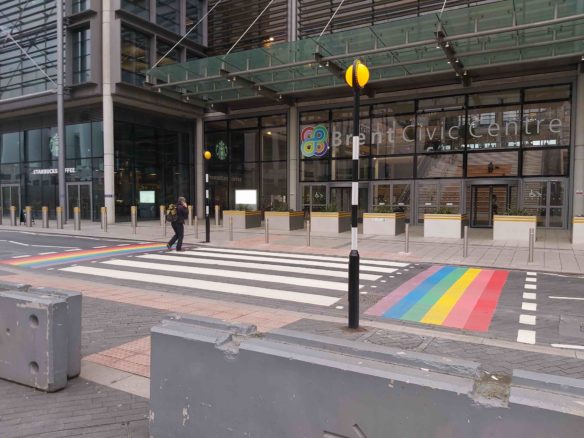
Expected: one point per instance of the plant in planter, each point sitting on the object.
(386, 220)
(282, 218)
(578, 230)
(330, 220)
(513, 224)
(444, 223)
(243, 217)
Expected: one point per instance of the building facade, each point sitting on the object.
(471, 109)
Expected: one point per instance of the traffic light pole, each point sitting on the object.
(207, 203)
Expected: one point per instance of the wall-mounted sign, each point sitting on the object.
(52, 171)
(314, 141)
(221, 150)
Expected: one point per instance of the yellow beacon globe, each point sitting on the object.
(362, 74)
(207, 155)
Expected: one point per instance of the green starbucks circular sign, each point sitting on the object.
(221, 150)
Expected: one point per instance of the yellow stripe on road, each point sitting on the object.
(439, 311)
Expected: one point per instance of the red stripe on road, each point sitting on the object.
(482, 314)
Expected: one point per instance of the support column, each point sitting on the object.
(108, 113)
(61, 106)
(199, 170)
(293, 158)
(578, 203)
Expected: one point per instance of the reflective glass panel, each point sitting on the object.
(546, 162)
(441, 131)
(491, 128)
(393, 135)
(439, 165)
(546, 124)
(393, 167)
(492, 164)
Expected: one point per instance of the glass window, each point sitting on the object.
(498, 98)
(78, 141)
(439, 166)
(393, 167)
(218, 144)
(274, 184)
(244, 145)
(278, 120)
(33, 142)
(97, 139)
(342, 170)
(162, 49)
(135, 56)
(167, 14)
(392, 108)
(314, 170)
(194, 12)
(78, 6)
(220, 125)
(308, 118)
(546, 162)
(341, 138)
(243, 123)
(81, 56)
(244, 176)
(274, 144)
(441, 103)
(141, 8)
(492, 164)
(493, 128)
(546, 124)
(547, 93)
(11, 146)
(441, 131)
(393, 135)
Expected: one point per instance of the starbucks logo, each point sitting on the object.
(54, 145)
(221, 150)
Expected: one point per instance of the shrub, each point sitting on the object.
(331, 208)
(516, 212)
(443, 210)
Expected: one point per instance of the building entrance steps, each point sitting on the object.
(553, 250)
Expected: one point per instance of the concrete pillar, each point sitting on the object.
(108, 113)
(292, 20)
(578, 204)
(199, 171)
(293, 158)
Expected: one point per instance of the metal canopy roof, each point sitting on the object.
(462, 40)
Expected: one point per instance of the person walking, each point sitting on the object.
(176, 216)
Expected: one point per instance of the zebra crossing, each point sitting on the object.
(293, 278)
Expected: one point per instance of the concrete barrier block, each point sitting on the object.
(33, 340)
(209, 381)
(13, 286)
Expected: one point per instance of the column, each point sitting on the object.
(199, 171)
(293, 158)
(108, 113)
(579, 148)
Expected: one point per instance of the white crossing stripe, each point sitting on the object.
(195, 270)
(344, 265)
(261, 266)
(530, 286)
(304, 257)
(533, 274)
(532, 307)
(20, 256)
(529, 296)
(260, 292)
(531, 280)
(47, 253)
(526, 336)
(527, 319)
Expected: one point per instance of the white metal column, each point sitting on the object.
(293, 157)
(199, 171)
(108, 112)
(579, 148)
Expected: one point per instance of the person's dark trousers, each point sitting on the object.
(179, 234)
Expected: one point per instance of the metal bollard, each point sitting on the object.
(196, 227)
(45, 217)
(531, 246)
(28, 216)
(190, 219)
(104, 219)
(59, 218)
(134, 218)
(230, 229)
(307, 233)
(1, 214)
(216, 215)
(267, 230)
(162, 216)
(164, 226)
(76, 219)
(465, 244)
(407, 241)
(13, 215)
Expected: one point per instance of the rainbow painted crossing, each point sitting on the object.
(450, 296)
(47, 260)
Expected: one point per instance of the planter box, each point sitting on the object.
(242, 219)
(578, 231)
(285, 220)
(513, 227)
(384, 224)
(321, 222)
(444, 225)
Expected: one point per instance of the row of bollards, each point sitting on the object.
(28, 218)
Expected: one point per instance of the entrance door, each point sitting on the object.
(314, 197)
(547, 200)
(341, 198)
(487, 201)
(397, 195)
(79, 195)
(10, 196)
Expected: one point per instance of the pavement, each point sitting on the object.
(499, 315)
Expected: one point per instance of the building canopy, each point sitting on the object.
(460, 42)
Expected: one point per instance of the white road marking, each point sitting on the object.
(20, 256)
(195, 270)
(343, 266)
(124, 244)
(532, 274)
(302, 256)
(573, 347)
(527, 319)
(530, 286)
(339, 307)
(532, 307)
(99, 247)
(260, 292)
(526, 336)
(264, 266)
(384, 281)
(74, 249)
(529, 296)
(18, 243)
(531, 280)
(566, 298)
(47, 253)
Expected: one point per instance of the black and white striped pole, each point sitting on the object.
(356, 76)
(207, 156)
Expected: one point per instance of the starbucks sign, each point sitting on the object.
(54, 145)
(221, 150)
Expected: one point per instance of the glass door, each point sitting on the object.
(546, 199)
(79, 195)
(314, 197)
(341, 198)
(486, 201)
(10, 196)
(397, 195)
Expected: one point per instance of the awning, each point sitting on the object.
(461, 41)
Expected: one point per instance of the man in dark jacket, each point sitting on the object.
(178, 224)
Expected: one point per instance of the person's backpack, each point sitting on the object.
(171, 214)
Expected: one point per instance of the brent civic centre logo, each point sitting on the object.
(314, 141)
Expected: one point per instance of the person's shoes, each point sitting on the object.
(168, 246)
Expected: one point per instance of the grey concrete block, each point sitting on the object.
(209, 382)
(13, 286)
(34, 340)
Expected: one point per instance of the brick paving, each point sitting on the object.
(132, 357)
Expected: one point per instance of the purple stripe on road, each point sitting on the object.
(386, 303)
